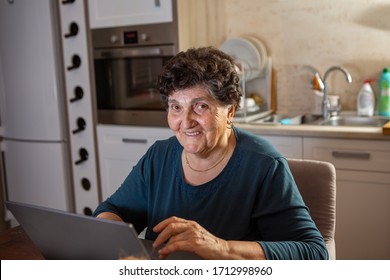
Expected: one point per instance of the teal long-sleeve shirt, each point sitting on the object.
(254, 198)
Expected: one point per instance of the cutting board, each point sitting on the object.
(386, 128)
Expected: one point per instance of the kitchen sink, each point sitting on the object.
(307, 119)
(280, 119)
(374, 121)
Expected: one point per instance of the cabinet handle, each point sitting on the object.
(67, 2)
(81, 124)
(78, 94)
(353, 155)
(138, 141)
(83, 153)
(76, 62)
(73, 30)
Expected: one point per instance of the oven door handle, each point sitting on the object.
(132, 52)
(134, 141)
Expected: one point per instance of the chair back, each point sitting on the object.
(316, 181)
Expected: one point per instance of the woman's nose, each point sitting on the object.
(188, 119)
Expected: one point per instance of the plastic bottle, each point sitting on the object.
(318, 98)
(384, 97)
(366, 100)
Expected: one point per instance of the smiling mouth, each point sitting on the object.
(195, 133)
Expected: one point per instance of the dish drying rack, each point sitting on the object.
(254, 67)
(260, 86)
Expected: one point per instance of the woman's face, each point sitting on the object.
(197, 119)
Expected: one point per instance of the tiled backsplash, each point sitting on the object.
(352, 33)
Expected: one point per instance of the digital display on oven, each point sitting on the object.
(130, 37)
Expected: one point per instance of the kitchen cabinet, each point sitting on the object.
(362, 195)
(120, 148)
(198, 21)
(288, 146)
(363, 215)
(107, 13)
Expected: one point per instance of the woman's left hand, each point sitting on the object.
(185, 235)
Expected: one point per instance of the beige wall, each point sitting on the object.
(351, 33)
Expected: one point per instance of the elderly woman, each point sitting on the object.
(213, 189)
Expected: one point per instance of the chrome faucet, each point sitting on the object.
(325, 113)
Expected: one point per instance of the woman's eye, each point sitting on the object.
(200, 108)
(175, 107)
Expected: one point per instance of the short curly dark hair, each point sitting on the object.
(205, 66)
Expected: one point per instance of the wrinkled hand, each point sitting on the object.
(186, 235)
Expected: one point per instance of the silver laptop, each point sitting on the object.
(68, 236)
(63, 235)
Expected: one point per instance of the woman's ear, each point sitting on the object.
(230, 115)
(231, 112)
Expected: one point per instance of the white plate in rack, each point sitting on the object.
(246, 55)
(260, 48)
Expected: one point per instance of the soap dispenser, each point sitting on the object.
(384, 94)
(318, 97)
(366, 100)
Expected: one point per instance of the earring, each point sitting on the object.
(229, 124)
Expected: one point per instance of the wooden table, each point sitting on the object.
(16, 245)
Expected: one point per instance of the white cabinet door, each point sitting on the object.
(108, 13)
(362, 215)
(120, 148)
(362, 194)
(288, 146)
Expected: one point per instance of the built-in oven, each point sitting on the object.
(127, 62)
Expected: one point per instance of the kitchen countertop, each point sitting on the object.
(346, 132)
